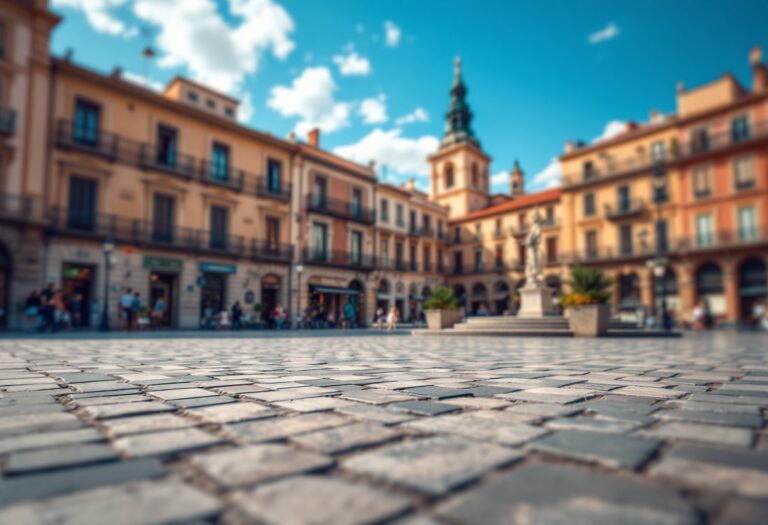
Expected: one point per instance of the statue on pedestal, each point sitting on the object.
(533, 266)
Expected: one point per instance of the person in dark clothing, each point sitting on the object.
(32, 310)
(237, 316)
(48, 308)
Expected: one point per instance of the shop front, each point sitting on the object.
(163, 289)
(213, 287)
(78, 287)
(327, 302)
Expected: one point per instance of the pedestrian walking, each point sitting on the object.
(392, 318)
(32, 310)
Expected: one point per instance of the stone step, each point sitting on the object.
(541, 333)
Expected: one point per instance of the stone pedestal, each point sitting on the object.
(536, 302)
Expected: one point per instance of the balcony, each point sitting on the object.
(7, 121)
(721, 240)
(499, 234)
(551, 222)
(339, 259)
(624, 210)
(427, 231)
(519, 230)
(88, 140)
(280, 191)
(227, 244)
(270, 251)
(340, 209)
(413, 230)
(21, 209)
(153, 157)
(608, 253)
(222, 176)
(413, 266)
(677, 152)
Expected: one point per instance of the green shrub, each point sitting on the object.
(588, 286)
(442, 298)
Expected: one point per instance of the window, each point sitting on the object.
(478, 260)
(273, 233)
(521, 253)
(440, 228)
(192, 96)
(458, 262)
(164, 209)
(744, 172)
(219, 227)
(657, 151)
(699, 140)
(274, 175)
(82, 204)
(588, 169)
(499, 257)
(385, 252)
(440, 267)
(2, 40)
(551, 249)
(210, 103)
(457, 234)
(412, 258)
(399, 256)
(449, 176)
(662, 236)
(590, 242)
(220, 162)
(319, 242)
(229, 111)
(625, 239)
(412, 221)
(356, 205)
(589, 205)
(356, 247)
(426, 223)
(320, 192)
(399, 218)
(747, 224)
(550, 215)
(166, 146)
(87, 122)
(660, 193)
(705, 231)
(475, 179)
(427, 259)
(499, 231)
(623, 199)
(702, 182)
(384, 208)
(740, 129)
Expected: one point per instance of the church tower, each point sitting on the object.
(516, 181)
(459, 169)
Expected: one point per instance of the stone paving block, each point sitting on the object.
(127, 409)
(721, 469)
(761, 402)
(48, 439)
(196, 402)
(258, 463)
(543, 410)
(26, 423)
(481, 403)
(718, 435)
(58, 457)
(499, 427)
(110, 400)
(545, 494)
(84, 377)
(181, 393)
(141, 502)
(310, 500)
(290, 394)
(425, 408)
(314, 404)
(643, 391)
(611, 450)
(703, 406)
(166, 442)
(100, 386)
(375, 413)
(550, 395)
(437, 392)
(149, 423)
(375, 397)
(432, 465)
(77, 396)
(239, 389)
(591, 424)
(46, 484)
(280, 428)
(347, 437)
(718, 418)
(231, 412)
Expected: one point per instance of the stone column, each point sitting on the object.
(686, 288)
(731, 289)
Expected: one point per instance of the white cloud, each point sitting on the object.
(352, 64)
(99, 17)
(417, 115)
(499, 179)
(609, 32)
(142, 81)
(547, 178)
(193, 34)
(398, 155)
(392, 33)
(310, 97)
(374, 110)
(245, 109)
(612, 129)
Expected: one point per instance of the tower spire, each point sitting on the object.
(458, 120)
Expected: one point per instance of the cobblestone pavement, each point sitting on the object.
(403, 430)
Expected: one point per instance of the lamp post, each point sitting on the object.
(108, 247)
(660, 262)
(299, 270)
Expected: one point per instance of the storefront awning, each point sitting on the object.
(334, 290)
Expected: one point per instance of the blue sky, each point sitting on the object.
(375, 75)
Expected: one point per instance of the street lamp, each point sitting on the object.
(108, 247)
(299, 270)
(660, 261)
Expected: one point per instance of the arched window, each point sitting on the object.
(475, 176)
(449, 176)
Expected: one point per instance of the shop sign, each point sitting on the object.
(162, 264)
(217, 267)
(250, 297)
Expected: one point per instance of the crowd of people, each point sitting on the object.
(317, 317)
(52, 310)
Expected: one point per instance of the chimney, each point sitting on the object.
(292, 137)
(314, 137)
(680, 87)
(655, 116)
(759, 71)
(410, 185)
(569, 146)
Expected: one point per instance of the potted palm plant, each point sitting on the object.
(587, 302)
(442, 309)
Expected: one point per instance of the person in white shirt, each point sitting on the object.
(126, 305)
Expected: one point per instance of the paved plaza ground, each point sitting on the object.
(368, 429)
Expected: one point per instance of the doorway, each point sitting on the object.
(270, 293)
(213, 293)
(77, 286)
(163, 286)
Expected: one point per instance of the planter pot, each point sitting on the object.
(589, 320)
(439, 319)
